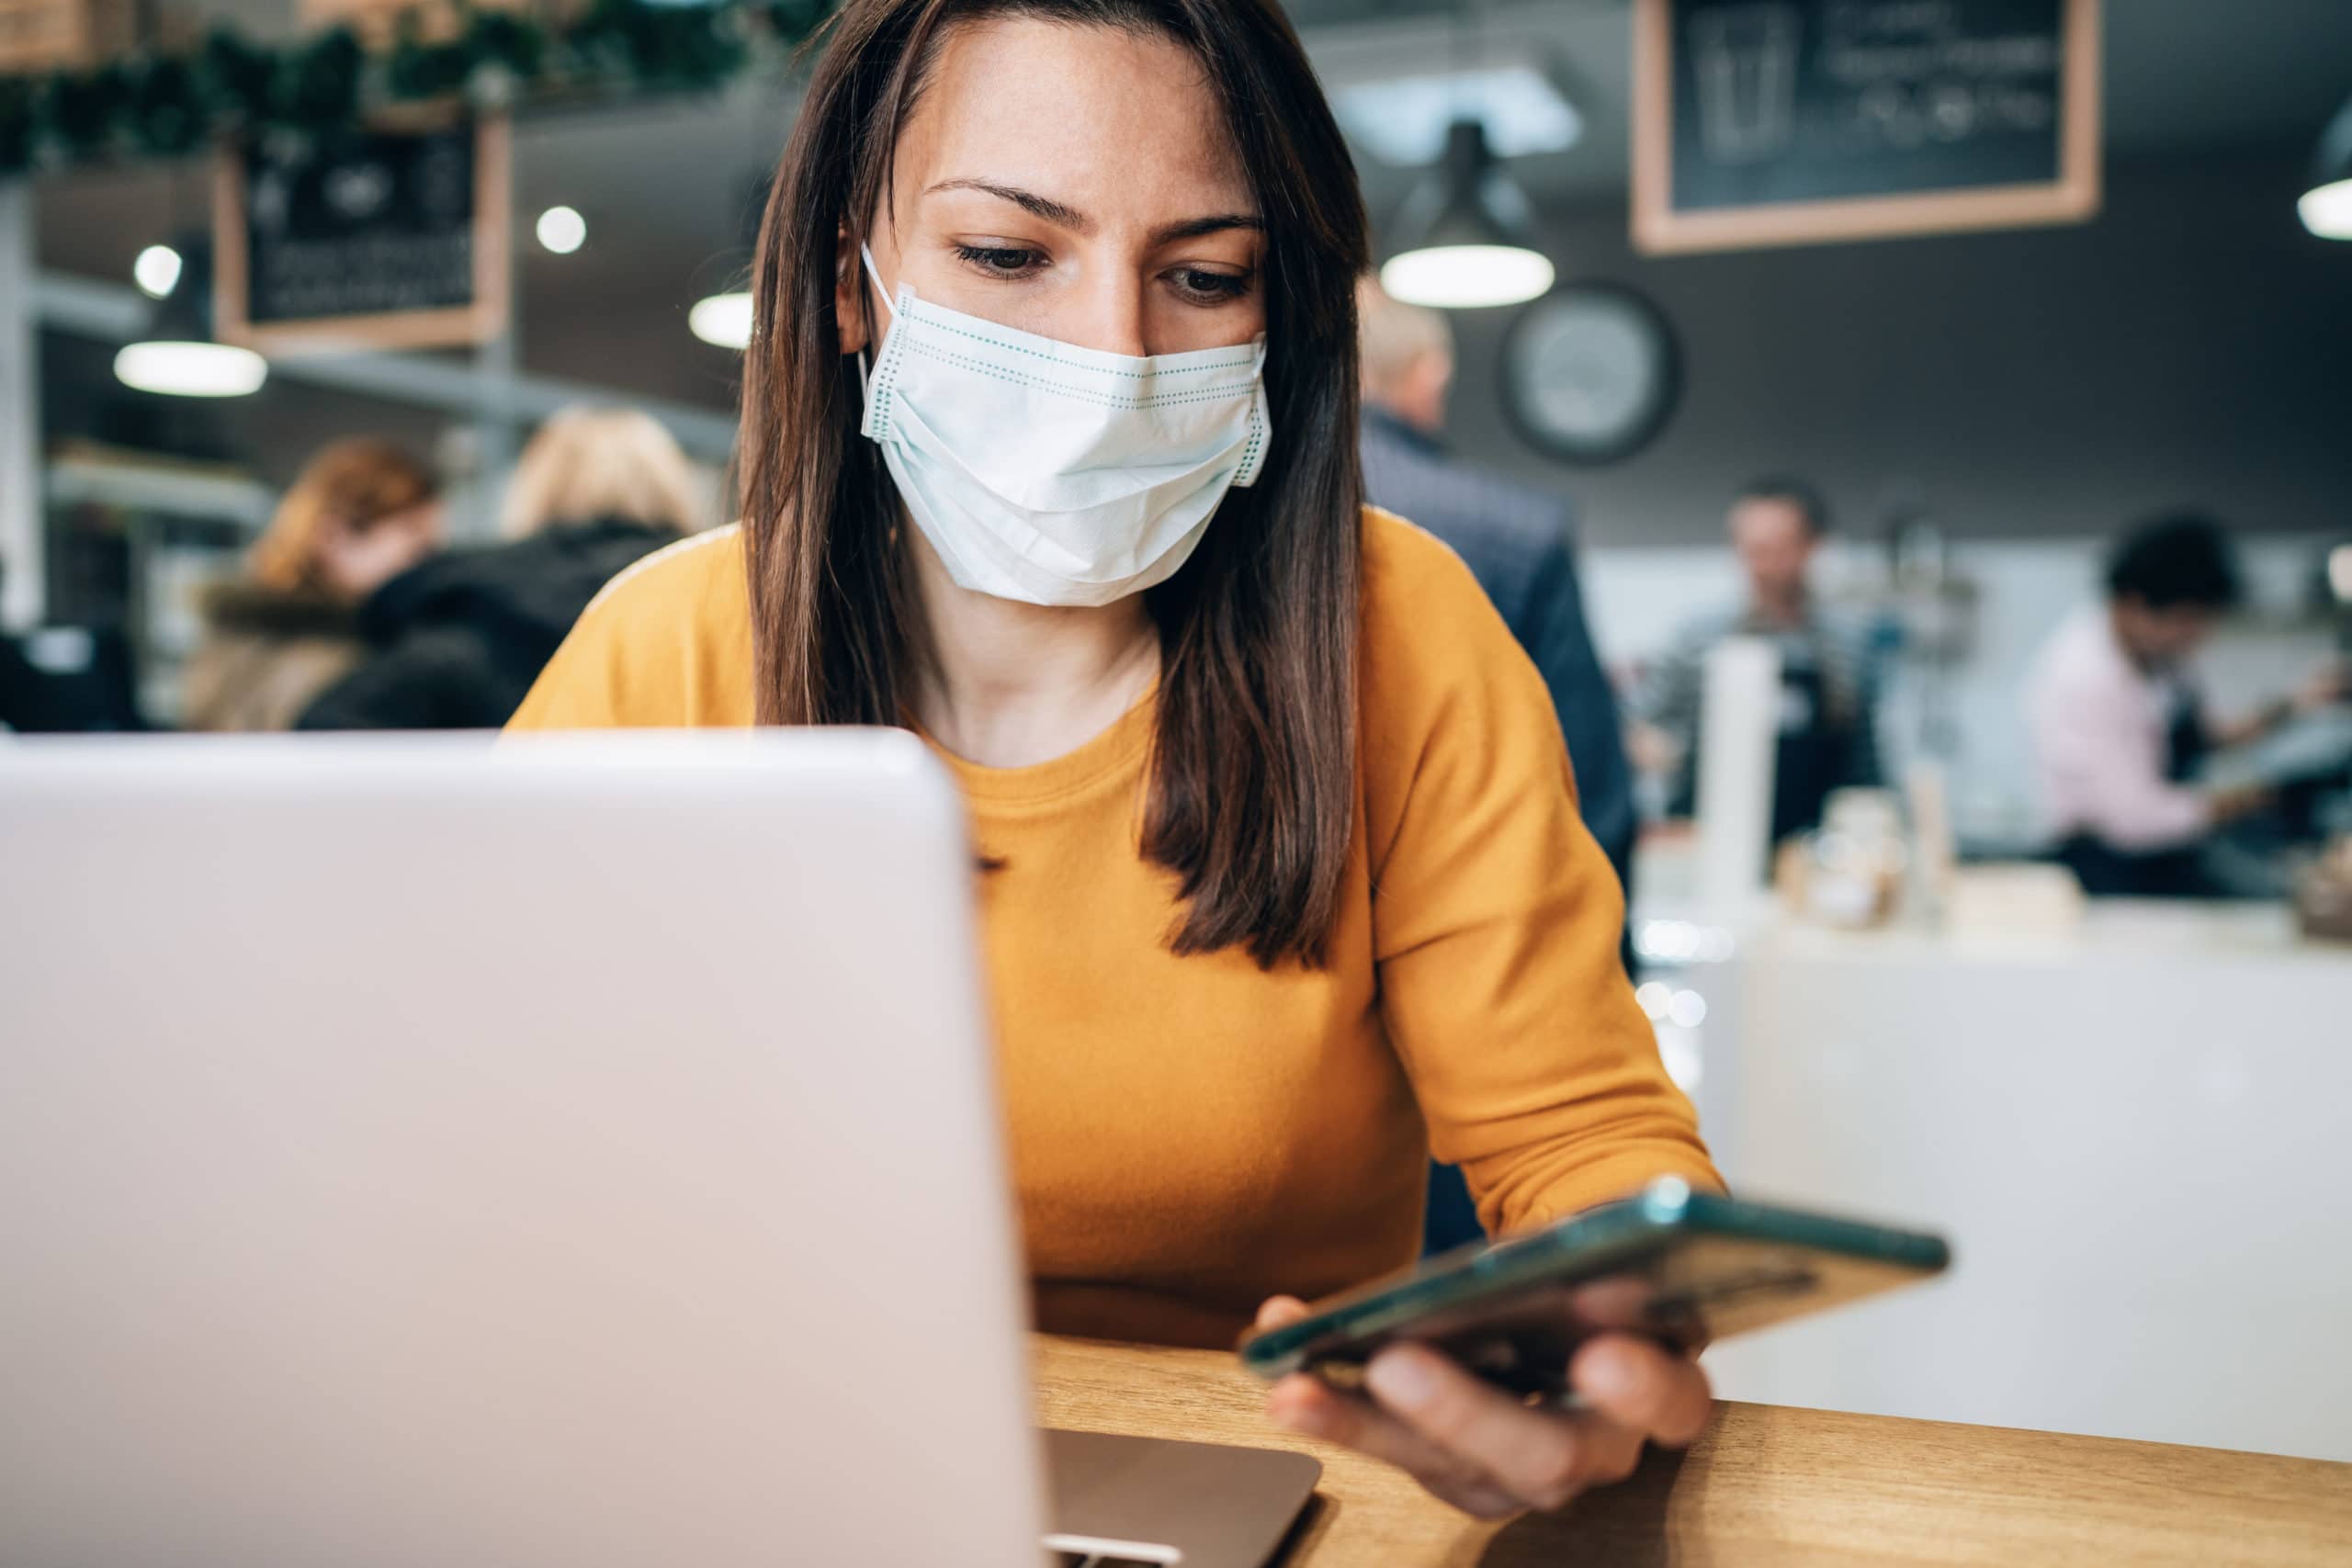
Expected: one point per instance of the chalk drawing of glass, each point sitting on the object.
(1745, 60)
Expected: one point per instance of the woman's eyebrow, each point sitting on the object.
(1194, 228)
(1029, 201)
(1076, 223)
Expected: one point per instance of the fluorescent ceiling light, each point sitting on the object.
(1403, 120)
(1463, 277)
(722, 320)
(562, 230)
(191, 369)
(157, 271)
(2327, 209)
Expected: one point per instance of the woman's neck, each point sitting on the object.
(1009, 684)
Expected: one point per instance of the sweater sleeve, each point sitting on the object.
(667, 643)
(582, 686)
(1496, 916)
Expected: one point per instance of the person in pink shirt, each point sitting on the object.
(2118, 733)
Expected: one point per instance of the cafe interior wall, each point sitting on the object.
(2191, 345)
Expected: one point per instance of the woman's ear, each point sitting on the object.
(848, 294)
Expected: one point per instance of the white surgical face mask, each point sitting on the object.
(1054, 474)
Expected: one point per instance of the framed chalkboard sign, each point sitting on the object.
(387, 237)
(1775, 122)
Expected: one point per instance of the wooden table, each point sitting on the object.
(1766, 1486)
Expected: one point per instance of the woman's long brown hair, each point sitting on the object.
(1252, 791)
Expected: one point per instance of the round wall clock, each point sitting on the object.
(1590, 372)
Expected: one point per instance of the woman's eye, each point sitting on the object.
(1210, 287)
(1001, 261)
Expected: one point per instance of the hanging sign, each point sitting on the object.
(382, 237)
(1774, 122)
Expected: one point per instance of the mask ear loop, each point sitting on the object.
(866, 254)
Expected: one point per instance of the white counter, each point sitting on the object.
(2136, 1139)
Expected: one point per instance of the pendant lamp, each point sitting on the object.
(1466, 234)
(2326, 205)
(176, 356)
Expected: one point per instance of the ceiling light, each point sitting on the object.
(1463, 277)
(156, 271)
(562, 230)
(1404, 120)
(180, 369)
(176, 356)
(723, 321)
(2326, 207)
(1466, 234)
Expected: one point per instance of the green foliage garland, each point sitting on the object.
(172, 104)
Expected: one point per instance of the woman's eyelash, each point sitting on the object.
(1218, 284)
(1010, 261)
(998, 258)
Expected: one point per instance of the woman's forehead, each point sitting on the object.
(1115, 123)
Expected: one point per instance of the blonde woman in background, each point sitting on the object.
(360, 515)
(604, 464)
(458, 641)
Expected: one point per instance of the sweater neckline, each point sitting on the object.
(1109, 752)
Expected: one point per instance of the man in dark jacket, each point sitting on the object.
(458, 641)
(1516, 541)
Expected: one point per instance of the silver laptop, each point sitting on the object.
(581, 1152)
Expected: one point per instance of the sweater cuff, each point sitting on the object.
(1621, 1174)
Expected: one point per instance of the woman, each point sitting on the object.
(591, 465)
(1050, 453)
(361, 513)
(458, 641)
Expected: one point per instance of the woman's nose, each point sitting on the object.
(1110, 313)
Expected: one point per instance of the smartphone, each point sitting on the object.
(1682, 1266)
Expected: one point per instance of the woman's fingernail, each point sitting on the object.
(1402, 1377)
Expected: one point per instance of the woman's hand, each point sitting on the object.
(1486, 1451)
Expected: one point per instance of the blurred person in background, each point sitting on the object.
(1516, 541)
(457, 642)
(2118, 731)
(1827, 736)
(360, 515)
(1518, 544)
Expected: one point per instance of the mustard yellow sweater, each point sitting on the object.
(1193, 1135)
